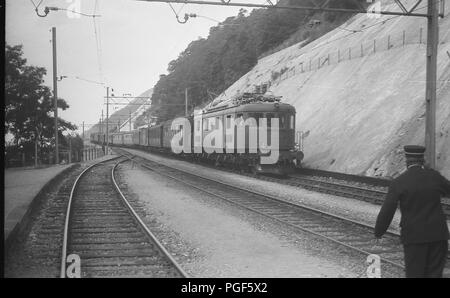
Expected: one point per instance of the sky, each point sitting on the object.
(130, 46)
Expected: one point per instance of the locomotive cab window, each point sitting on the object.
(205, 124)
(283, 121)
(228, 121)
(212, 123)
(240, 117)
(218, 120)
(256, 116)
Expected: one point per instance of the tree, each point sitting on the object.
(210, 65)
(28, 103)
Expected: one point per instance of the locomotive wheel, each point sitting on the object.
(254, 171)
(217, 162)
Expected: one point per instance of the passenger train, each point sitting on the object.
(243, 156)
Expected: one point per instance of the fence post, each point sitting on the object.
(389, 42)
(420, 35)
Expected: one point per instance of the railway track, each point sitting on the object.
(363, 188)
(106, 233)
(345, 188)
(353, 235)
(340, 188)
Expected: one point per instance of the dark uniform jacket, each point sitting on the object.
(419, 192)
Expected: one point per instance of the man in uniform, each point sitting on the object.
(424, 232)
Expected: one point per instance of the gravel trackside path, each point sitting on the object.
(211, 238)
(350, 208)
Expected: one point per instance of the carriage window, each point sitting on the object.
(292, 122)
(197, 126)
(205, 124)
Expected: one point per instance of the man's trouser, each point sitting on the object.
(425, 259)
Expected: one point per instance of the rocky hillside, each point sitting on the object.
(359, 92)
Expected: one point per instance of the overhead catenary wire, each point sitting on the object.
(98, 43)
(74, 11)
(186, 17)
(47, 10)
(36, 6)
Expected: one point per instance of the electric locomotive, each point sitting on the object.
(255, 115)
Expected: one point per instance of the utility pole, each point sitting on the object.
(130, 120)
(36, 151)
(83, 134)
(107, 119)
(102, 122)
(70, 149)
(186, 102)
(55, 94)
(430, 93)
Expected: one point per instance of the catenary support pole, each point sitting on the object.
(431, 76)
(107, 120)
(55, 94)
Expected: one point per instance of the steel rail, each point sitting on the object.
(67, 220)
(276, 200)
(337, 184)
(132, 213)
(144, 226)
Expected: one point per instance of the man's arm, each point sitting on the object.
(387, 212)
(445, 185)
